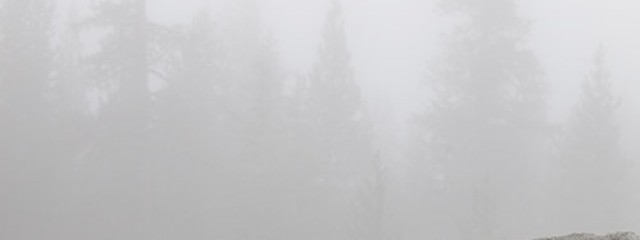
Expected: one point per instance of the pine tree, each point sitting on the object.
(69, 87)
(254, 88)
(25, 71)
(189, 107)
(29, 173)
(72, 118)
(247, 110)
(336, 108)
(121, 68)
(119, 168)
(487, 114)
(371, 207)
(188, 117)
(594, 183)
(333, 135)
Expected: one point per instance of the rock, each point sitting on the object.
(623, 236)
(589, 236)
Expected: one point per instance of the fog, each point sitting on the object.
(318, 119)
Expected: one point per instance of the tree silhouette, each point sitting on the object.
(30, 174)
(254, 92)
(186, 62)
(371, 210)
(594, 181)
(487, 110)
(122, 68)
(330, 131)
(231, 73)
(337, 110)
(26, 68)
(120, 166)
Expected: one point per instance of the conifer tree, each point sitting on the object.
(119, 168)
(486, 118)
(29, 174)
(371, 203)
(594, 183)
(334, 133)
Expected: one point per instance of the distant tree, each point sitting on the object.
(119, 169)
(201, 132)
(121, 68)
(71, 115)
(68, 64)
(337, 110)
(486, 118)
(254, 85)
(236, 64)
(71, 91)
(331, 131)
(189, 61)
(25, 72)
(483, 206)
(371, 207)
(28, 176)
(594, 183)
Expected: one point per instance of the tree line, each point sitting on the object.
(189, 131)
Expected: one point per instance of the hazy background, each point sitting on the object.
(404, 35)
(318, 119)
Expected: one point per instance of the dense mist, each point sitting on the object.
(326, 119)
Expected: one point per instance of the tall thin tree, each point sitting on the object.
(29, 176)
